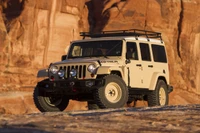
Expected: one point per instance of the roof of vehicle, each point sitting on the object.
(131, 34)
(127, 38)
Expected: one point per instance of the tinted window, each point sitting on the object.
(145, 53)
(159, 53)
(95, 49)
(132, 51)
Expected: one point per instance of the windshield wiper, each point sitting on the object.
(113, 48)
(99, 56)
(105, 56)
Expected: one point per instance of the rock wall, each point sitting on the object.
(34, 33)
(177, 20)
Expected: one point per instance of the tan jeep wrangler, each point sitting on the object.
(107, 70)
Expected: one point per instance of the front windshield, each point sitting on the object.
(96, 49)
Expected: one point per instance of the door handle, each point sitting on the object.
(150, 65)
(139, 65)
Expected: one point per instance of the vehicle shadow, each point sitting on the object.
(10, 129)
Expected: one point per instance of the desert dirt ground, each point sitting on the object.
(141, 119)
(18, 114)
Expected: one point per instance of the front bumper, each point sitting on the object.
(73, 86)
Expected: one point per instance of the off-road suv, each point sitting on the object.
(108, 70)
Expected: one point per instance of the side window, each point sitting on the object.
(159, 54)
(145, 53)
(132, 52)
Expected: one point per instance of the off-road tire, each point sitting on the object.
(49, 103)
(160, 96)
(114, 93)
(92, 105)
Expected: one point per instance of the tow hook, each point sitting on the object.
(71, 83)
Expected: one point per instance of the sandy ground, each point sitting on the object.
(142, 119)
(21, 102)
(18, 114)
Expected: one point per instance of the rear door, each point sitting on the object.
(147, 65)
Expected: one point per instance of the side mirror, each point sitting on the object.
(127, 55)
(128, 61)
(63, 57)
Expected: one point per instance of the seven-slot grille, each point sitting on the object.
(81, 70)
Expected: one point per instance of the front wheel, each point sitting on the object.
(49, 102)
(114, 94)
(159, 97)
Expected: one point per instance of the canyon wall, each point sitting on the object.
(177, 20)
(34, 33)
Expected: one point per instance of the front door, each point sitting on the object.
(134, 66)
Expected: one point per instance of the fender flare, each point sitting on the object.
(108, 70)
(154, 80)
(42, 73)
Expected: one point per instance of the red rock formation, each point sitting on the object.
(177, 20)
(34, 33)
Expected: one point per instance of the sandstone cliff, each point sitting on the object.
(177, 20)
(34, 33)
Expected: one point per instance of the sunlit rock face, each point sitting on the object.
(34, 33)
(178, 21)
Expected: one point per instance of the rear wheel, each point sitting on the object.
(113, 94)
(49, 102)
(159, 97)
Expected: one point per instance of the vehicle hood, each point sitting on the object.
(101, 60)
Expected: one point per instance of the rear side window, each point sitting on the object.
(145, 52)
(159, 53)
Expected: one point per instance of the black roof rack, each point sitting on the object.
(131, 32)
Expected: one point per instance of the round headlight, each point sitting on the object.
(73, 72)
(61, 73)
(54, 69)
(91, 68)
